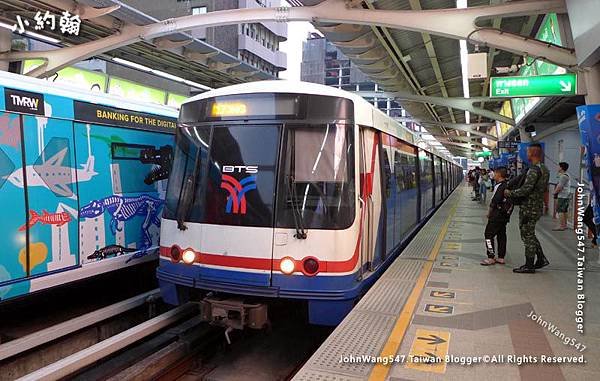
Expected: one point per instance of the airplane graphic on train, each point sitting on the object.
(54, 175)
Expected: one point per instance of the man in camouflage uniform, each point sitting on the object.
(530, 211)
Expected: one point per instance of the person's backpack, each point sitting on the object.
(504, 208)
(518, 181)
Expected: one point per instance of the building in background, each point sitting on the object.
(256, 44)
(324, 63)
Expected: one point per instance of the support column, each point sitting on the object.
(5, 44)
(592, 84)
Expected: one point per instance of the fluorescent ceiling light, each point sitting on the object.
(197, 85)
(32, 34)
(160, 73)
(132, 64)
(167, 75)
(464, 64)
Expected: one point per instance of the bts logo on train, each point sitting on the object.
(240, 168)
(236, 201)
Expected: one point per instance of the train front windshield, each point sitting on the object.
(292, 174)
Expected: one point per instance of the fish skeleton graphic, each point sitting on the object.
(55, 176)
(58, 219)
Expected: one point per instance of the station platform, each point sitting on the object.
(436, 300)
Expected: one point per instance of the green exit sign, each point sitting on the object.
(537, 86)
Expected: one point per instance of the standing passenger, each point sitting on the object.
(476, 175)
(498, 216)
(484, 184)
(530, 211)
(562, 195)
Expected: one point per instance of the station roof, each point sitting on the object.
(429, 65)
(217, 73)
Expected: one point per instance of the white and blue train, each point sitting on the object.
(291, 190)
(82, 182)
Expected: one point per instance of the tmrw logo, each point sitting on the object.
(30, 103)
(236, 202)
(24, 101)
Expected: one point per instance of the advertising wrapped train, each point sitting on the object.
(290, 190)
(82, 182)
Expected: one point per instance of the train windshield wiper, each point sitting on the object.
(185, 202)
(300, 232)
(186, 198)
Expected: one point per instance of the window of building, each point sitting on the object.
(198, 10)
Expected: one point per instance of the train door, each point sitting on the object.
(13, 257)
(389, 189)
(50, 179)
(370, 198)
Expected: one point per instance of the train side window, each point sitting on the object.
(136, 167)
(316, 180)
(387, 171)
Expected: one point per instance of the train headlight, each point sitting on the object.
(287, 266)
(189, 256)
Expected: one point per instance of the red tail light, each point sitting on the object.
(175, 254)
(310, 266)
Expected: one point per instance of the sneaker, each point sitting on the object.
(500, 261)
(488, 262)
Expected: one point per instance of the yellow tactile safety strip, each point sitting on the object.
(393, 342)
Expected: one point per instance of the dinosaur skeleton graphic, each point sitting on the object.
(124, 208)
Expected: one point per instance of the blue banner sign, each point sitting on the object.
(589, 129)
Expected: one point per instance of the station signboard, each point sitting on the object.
(507, 144)
(534, 86)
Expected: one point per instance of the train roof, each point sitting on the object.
(366, 113)
(36, 85)
(279, 86)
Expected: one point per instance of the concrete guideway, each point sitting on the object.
(333, 11)
(436, 300)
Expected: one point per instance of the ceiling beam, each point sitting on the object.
(496, 24)
(460, 103)
(406, 71)
(415, 4)
(464, 127)
(463, 26)
(461, 139)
